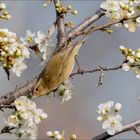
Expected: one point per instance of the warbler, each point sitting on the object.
(57, 70)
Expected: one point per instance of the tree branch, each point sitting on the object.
(86, 23)
(96, 69)
(93, 29)
(61, 35)
(130, 127)
(28, 87)
(9, 98)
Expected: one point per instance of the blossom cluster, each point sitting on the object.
(110, 118)
(65, 10)
(132, 60)
(58, 135)
(55, 134)
(25, 118)
(3, 12)
(63, 92)
(12, 53)
(39, 43)
(118, 10)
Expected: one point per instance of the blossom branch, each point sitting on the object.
(93, 29)
(129, 127)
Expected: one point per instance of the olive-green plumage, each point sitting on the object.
(57, 70)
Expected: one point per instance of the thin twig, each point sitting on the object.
(8, 131)
(7, 106)
(86, 23)
(96, 69)
(91, 30)
(129, 127)
(101, 77)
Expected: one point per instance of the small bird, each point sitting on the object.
(57, 70)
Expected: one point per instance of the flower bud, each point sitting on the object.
(118, 107)
(58, 137)
(56, 132)
(74, 12)
(99, 118)
(49, 133)
(122, 47)
(69, 7)
(73, 137)
(57, 5)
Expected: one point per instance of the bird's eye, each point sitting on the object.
(36, 89)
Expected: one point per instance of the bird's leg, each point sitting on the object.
(80, 70)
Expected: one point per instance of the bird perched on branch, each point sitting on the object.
(57, 70)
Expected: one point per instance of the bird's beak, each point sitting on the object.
(34, 96)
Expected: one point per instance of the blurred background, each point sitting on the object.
(79, 114)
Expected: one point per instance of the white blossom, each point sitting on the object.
(110, 5)
(105, 108)
(45, 50)
(18, 67)
(29, 38)
(44, 46)
(130, 59)
(25, 52)
(138, 76)
(118, 107)
(138, 20)
(113, 124)
(30, 133)
(110, 117)
(29, 117)
(13, 121)
(40, 37)
(20, 103)
(2, 6)
(25, 114)
(132, 27)
(126, 67)
(38, 115)
(126, 25)
(100, 118)
(64, 92)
